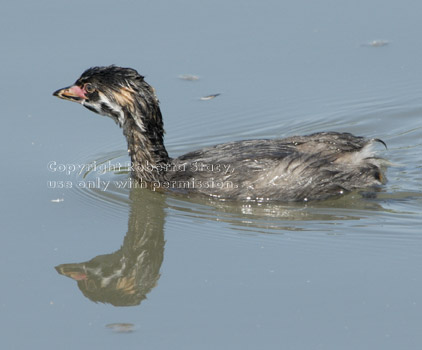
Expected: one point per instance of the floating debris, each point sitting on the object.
(188, 77)
(377, 43)
(121, 327)
(209, 97)
(58, 200)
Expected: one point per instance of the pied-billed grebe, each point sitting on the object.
(298, 168)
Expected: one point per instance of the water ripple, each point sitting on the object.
(394, 215)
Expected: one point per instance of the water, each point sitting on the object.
(150, 270)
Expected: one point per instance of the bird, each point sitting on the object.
(313, 167)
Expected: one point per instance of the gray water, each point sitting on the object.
(340, 274)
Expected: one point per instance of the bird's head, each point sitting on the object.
(119, 93)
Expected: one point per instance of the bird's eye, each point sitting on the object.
(89, 88)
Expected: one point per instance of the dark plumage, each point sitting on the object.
(311, 167)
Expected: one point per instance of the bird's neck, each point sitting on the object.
(144, 133)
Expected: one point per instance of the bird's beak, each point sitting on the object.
(71, 93)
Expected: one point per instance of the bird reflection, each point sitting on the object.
(125, 277)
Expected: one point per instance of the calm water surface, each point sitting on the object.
(95, 265)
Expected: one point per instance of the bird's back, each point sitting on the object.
(311, 167)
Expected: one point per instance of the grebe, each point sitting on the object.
(298, 168)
